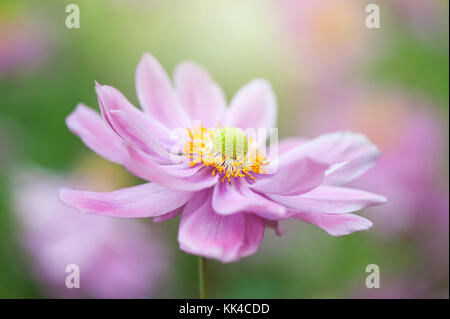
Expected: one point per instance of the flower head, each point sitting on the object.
(227, 150)
(205, 161)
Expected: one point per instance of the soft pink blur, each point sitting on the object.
(326, 38)
(117, 258)
(411, 172)
(23, 44)
(425, 17)
(412, 140)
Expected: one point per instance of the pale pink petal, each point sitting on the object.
(95, 133)
(254, 106)
(226, 238)
(202, 98)
(289, 143)
(254, 233)
(156, 95)
(294, 175)
(329, 200)
(147, 200)
(336, 225)
(132, 125)
(275, 225)
(236, 197)
(333, 148)
(167, 216)
(178, 176)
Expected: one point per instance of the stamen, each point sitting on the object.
(227, 150)
(230, 142)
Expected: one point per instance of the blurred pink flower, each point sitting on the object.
(413, 143)
(326, 38)
(229, 188)
(22, 45)
(412, 171)
(425, 17)
(116, 259)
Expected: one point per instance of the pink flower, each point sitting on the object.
(413, 141)
(326, 39)
(227, 188)
(426, 18)
(116, 258)
(24, 44)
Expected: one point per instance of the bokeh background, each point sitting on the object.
(329, 72)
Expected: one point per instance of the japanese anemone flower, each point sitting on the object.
(220, 179)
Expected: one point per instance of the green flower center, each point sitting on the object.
(230, 142)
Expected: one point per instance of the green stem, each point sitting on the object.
(202, 277)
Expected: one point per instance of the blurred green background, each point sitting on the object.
(236, 40)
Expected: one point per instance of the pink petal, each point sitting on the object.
(275, 225)
(226, 238)
(167, 216)
(336, 225)
(133, 126)
(147, 200)
(156, 95)
(295, 175)
(254, 106)
(254, 233)
(340, 147)
(329, 200)
(202, 98)
(93, 131)
(289, 143)
(177, 176)
(238, 198)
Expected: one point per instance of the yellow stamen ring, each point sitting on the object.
(228, 150)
